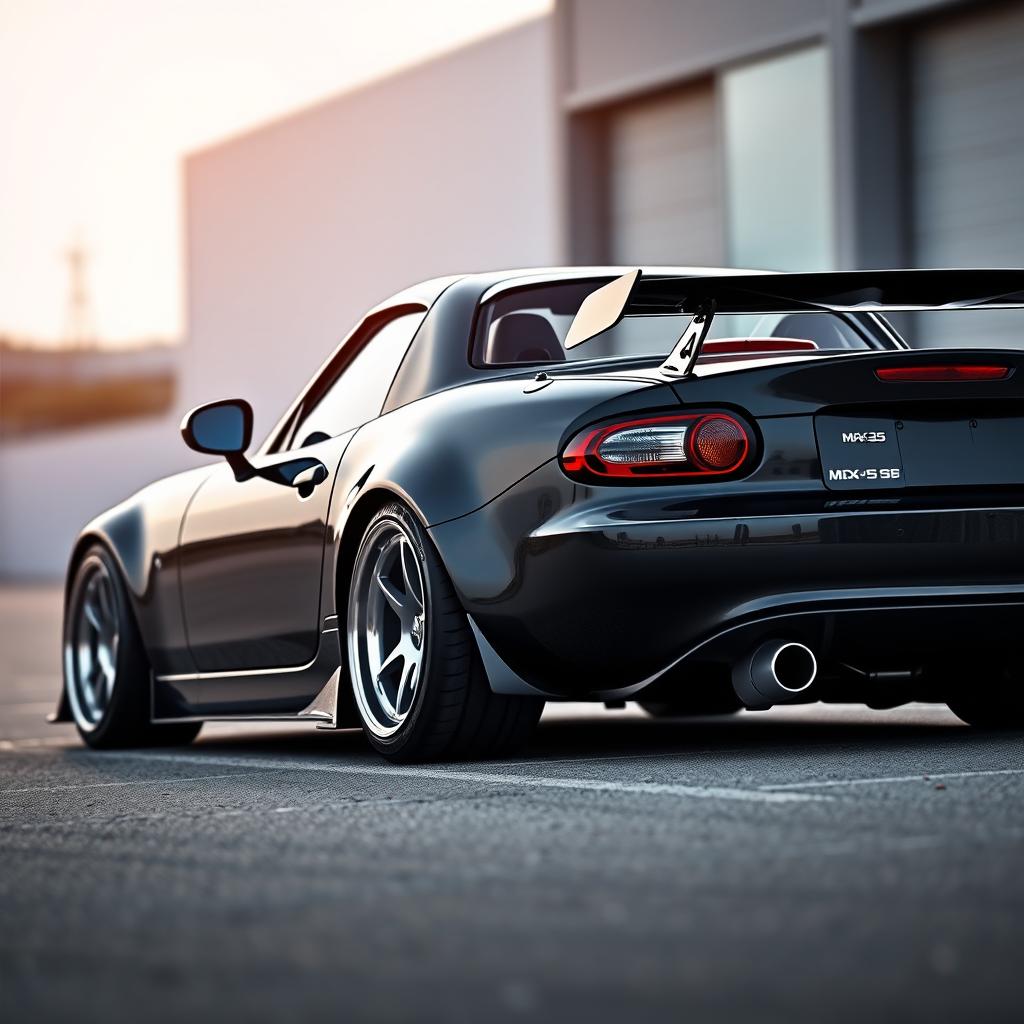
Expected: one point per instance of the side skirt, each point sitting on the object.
(306, 693)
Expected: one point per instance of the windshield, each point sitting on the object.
(529, 325)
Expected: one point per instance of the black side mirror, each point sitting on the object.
(219, 428)
(225, 428)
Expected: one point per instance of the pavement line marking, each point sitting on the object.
(130, 782)
(921, 777)
(497, 778)
(30, 743)
(667, 755)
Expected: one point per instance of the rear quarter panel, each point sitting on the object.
(456, 451)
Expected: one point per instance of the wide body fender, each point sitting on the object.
(142, 533)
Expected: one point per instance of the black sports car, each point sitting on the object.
(703, 490)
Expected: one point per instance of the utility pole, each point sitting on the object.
(79, 329)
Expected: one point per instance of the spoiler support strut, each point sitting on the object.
(683, 357)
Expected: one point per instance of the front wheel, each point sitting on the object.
(106, 671)
(416, 674)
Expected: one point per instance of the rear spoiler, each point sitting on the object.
(845, 291)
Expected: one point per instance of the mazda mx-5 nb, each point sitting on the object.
(703, 490)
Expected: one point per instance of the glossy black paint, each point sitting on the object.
(606, 588)
(866, 289)
(250, 559)
(239, 582)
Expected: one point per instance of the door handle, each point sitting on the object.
(309, 479)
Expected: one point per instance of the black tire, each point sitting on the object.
(452, 713)
(996, 704)
(123, 717)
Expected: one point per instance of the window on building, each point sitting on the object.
(778, 163)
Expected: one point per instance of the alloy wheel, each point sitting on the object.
(90, 644)
(387, 627)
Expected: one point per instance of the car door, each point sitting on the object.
(252, 551)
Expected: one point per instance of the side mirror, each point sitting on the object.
(219, 428)
(225, 428)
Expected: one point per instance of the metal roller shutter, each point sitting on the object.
(665, 196)
(967, 112)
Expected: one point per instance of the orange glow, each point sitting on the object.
(100, 101)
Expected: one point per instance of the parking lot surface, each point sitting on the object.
(809, 864)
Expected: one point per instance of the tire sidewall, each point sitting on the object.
(129, 703)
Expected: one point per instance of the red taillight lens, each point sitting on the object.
(659, 448)
(942, 373)
(718, 443)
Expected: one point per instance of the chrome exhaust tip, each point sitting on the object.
(776, 673)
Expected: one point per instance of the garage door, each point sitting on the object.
(665, 203)
(967, 91)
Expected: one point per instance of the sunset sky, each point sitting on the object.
(100, 100)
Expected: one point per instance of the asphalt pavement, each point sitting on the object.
(814, 864)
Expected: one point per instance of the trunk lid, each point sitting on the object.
(887, 434)
(933, 419)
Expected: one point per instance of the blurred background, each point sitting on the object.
(199, 199)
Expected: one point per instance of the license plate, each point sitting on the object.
(859, 453)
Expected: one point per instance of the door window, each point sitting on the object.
(359, 389)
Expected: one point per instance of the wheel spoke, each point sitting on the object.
(389, 661)
(94, 690)
(408, 672)
(108, 686)
(105, 658)
(394, 598)
(87, 689)
(91, 607)
(106, 600)
(410, 574)
(94, 675)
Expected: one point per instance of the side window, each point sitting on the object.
(358, 393)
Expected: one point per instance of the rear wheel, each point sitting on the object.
(416, 675)
(106, 671)
(994, 703)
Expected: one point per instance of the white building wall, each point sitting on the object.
(52, 484)
(293, 231)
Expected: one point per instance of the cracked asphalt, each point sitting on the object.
(796, 865)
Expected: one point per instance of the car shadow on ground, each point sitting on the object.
(591, 736)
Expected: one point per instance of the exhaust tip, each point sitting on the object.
(776, 673)
(793, 667)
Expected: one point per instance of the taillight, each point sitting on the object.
(942, 373)
(659, 448)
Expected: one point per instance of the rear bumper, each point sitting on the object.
(612, 588)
